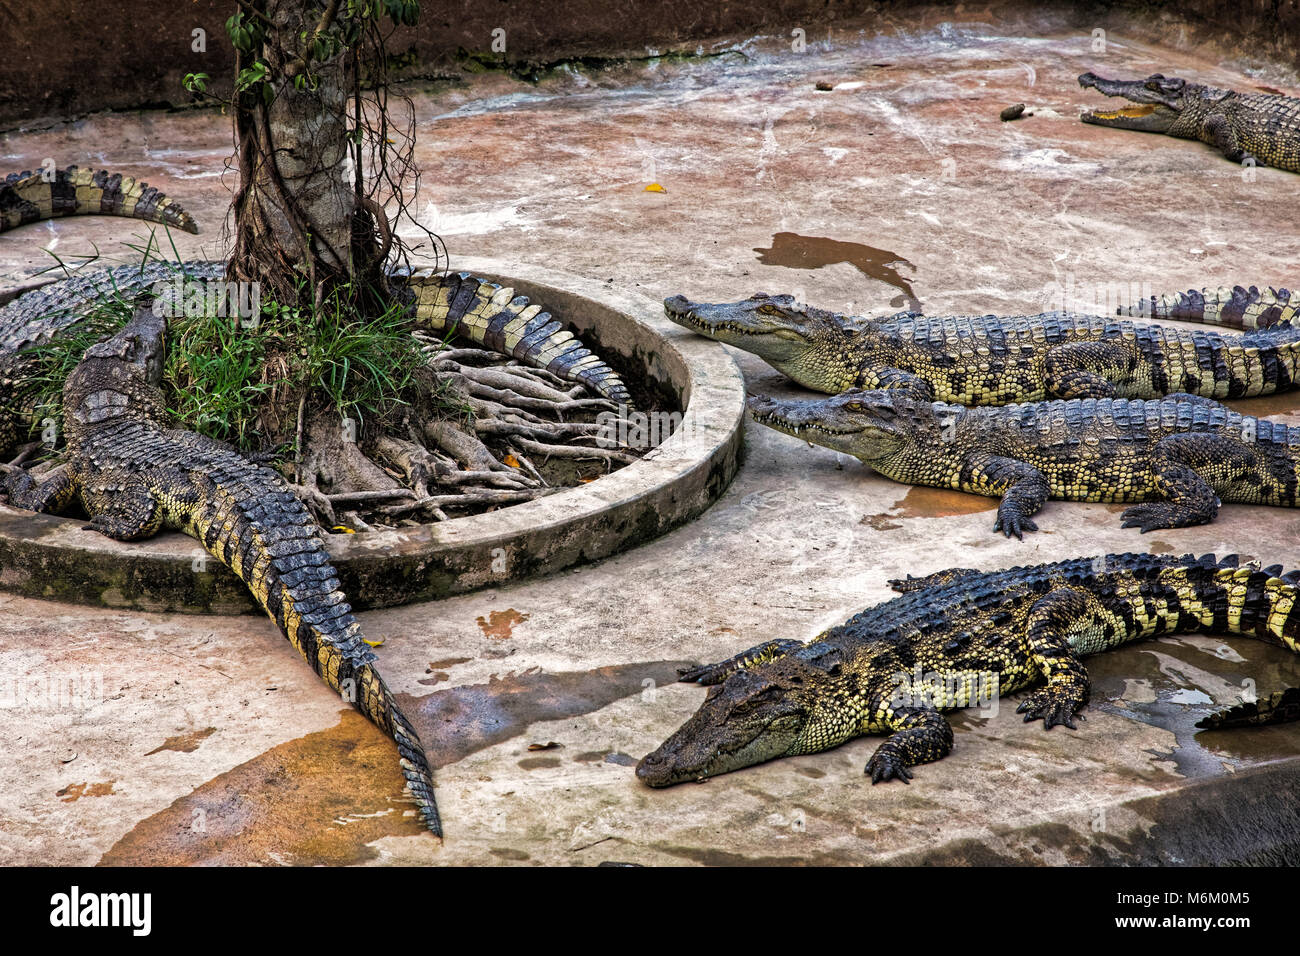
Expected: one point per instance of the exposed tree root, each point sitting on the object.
(508, 433)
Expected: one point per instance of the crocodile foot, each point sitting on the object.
(1054, 704)
(887, 764)
(1154, 515)
(1013, 524)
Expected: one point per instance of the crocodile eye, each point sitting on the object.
(768, 310)
(854, 406)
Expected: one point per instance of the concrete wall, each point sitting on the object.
(62, 59)
(65, 57)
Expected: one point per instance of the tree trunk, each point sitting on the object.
(296, 206)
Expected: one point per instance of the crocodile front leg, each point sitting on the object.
(921, 735)
(131, 514)
(1218, 132)
(53, 495)
(1086, 369)
(873, 378)
(1022, 487)
(708, 674)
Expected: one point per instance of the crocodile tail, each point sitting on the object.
(255, 525)
(1237, 308)
(496, 318)
(1280, 707)
(32, 196)
(1224, 595)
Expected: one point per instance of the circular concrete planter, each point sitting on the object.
(49, 557)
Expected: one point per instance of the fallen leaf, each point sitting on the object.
(549, 745)
(655, 188)
(511, 460)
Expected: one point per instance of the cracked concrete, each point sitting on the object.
(534, 727)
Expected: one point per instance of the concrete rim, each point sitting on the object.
(51, 557)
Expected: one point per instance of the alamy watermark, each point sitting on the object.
(1093, 298)
(191, 298)
(53, 692)
(641, 430)
(938, 690)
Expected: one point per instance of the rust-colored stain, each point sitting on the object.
(813, 252)
(921, 502)
(283, 806)
(500, 625)
(287, 802)
(184, 743)
(75, 791)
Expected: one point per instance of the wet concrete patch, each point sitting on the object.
(1174, 682)
(539, 763)
(315, 800)
(1283, 404)
(321, 799)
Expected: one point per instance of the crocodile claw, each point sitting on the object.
(1052, 706)
(886, 765)
(1014, 525)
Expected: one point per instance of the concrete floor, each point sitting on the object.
(206, 740)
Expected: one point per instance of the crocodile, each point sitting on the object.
(1178, 457)
(1251, 128)
(997, 360)
(962, 638)
(135, 477)
(483, 312)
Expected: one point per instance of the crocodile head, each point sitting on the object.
(812, 346)
(117, 378)
(757, 714)
(869, 425)
(1160, 101)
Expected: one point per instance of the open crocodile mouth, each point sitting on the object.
(695, 321)
(1124, 112)
(779, 421)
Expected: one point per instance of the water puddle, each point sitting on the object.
(1173, 683)
(923, 502)
(459, 721)
(813, 252)
(1266, 406)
